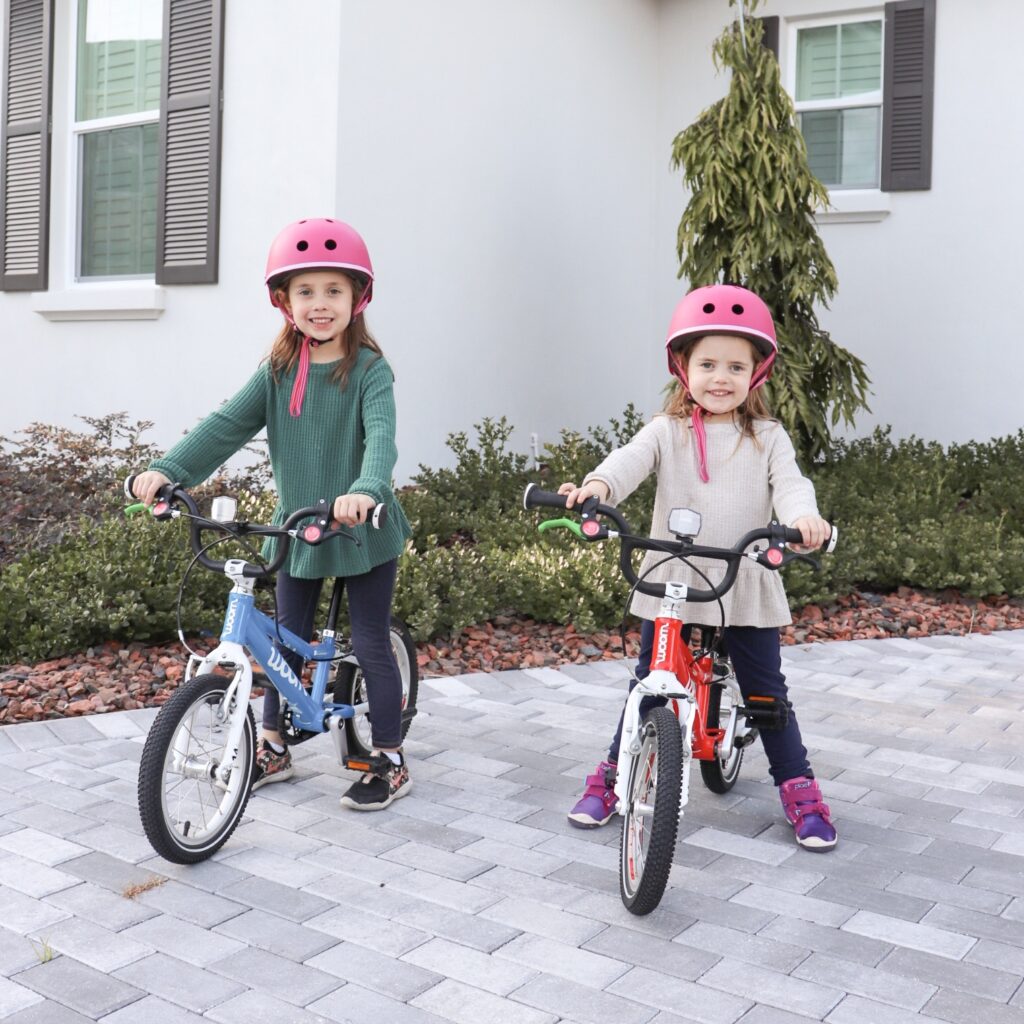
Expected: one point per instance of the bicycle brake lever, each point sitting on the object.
(568, 524)
(799, 556)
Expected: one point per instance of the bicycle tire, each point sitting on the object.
(188, 818)
(721, 774)
(649, 828)
(350, 688)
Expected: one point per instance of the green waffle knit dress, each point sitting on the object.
(343, 443)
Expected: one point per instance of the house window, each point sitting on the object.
(837, 92)
(141, 192)
(117, 114)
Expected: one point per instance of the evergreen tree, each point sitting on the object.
(750, 222)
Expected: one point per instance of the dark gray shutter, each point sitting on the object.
(908, 90)
(771, 34)
(25, 145)
(188, 183)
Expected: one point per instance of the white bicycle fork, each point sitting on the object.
(657, 684)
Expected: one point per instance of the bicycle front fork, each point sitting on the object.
(657, 684)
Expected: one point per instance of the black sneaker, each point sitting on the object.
(271, 766)
(383, 782)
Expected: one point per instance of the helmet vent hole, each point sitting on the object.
(330, 244)
(302, 246)
(709, 307)
(738, 309)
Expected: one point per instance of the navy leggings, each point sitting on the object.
(757, 660)
(369, 612)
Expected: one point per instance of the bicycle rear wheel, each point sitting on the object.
(187, 811)
(721, 774)
(350, 688)
(651, 816)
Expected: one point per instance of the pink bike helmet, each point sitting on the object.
(319, 243)
(721, 309)
(724, 309)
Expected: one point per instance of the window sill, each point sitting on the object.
(101, 302)
(855, 206)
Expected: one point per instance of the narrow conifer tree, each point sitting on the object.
(750, 221)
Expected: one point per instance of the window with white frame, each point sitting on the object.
(143, 179)
(836, 84)
(117, 114)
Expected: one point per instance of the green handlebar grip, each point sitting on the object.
(568, 524)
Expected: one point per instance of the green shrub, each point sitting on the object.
(909, 513)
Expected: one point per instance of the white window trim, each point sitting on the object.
(846, 205)
(121, 298)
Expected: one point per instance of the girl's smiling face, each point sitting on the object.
(321, 302)
(719, 371)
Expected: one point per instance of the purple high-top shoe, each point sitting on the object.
(808, 813)
(597, 805)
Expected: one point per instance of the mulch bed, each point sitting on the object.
(115, 678)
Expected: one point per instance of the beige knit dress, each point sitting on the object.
(748, 480)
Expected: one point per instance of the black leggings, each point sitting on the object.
(369, 611)
(757, 659)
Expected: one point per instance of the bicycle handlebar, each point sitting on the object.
(773, 557)
(313, 533)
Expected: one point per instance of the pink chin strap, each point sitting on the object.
(302, 374)
(700, 437)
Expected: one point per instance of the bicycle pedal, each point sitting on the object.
(375, 765)
(767, 713)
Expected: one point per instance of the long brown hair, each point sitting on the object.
(755, 407)
(284, 353)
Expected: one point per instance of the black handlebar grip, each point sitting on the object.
(796, 537)
(129, 483)
(535, 497)
(378, 516)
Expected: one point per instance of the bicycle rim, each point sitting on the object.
(651, 817)
(361, 729)
(190, 814)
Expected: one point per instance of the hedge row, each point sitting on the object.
(910, 513)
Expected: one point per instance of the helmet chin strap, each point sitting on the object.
(302, 374)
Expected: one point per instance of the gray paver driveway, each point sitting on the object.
(472, 900)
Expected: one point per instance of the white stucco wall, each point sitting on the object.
(508, 165)
(495, 156)
(925, 295)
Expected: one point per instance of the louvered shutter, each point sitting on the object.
(188, 184)
(25, 145)
(908, 93)
(770, 39)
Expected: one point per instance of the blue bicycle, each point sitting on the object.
(197, 763)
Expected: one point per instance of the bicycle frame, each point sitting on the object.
(684, 681)
(247, 630)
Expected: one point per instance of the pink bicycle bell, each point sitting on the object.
(318, 243)
(721, 309)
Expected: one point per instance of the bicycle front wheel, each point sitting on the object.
(187, 810)
(651, 816)
(350, 688)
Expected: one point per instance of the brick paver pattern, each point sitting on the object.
(473, 899)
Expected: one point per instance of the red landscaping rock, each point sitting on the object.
(109, 676)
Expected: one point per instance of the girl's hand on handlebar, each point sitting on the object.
(577, 495)
(814, 530)
(146, 485)
(352, 509)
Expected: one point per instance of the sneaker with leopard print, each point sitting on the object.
(383, 783)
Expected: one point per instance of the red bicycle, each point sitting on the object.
(704, 717)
